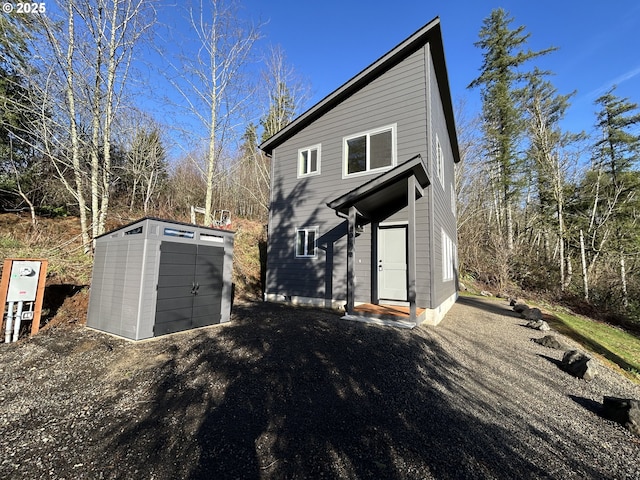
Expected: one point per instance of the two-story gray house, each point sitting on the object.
(363, 208)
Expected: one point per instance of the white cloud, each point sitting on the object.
(634, 72)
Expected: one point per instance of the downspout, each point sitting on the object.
(351, 233)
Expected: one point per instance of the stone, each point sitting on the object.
(520, 307)
(484, 293)
(531, 314)
(462, 287)
(579, 364)
(539, 325)
(625, 411)
(551, 341)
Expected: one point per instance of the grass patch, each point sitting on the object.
(612, 343)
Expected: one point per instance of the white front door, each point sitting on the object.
(392, 263)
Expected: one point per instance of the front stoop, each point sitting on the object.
(387, 315)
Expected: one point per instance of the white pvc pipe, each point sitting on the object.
(7, 330)
(17, 320)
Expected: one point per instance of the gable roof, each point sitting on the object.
(431, 34)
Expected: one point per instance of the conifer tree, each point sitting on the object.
(616, 203)
(500, 82)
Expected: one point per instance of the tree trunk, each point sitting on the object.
(585, 278)
(623, 281)
(73, 132)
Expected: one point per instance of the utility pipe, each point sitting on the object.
(17, 320)
(7, 330)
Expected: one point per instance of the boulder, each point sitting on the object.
(625, 411)
(551, 341)
(484, 293)
(520, 307)
(531, 314)
(539, 325)
(462, 287)
(579, 365)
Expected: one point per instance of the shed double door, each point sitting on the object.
(190, 284)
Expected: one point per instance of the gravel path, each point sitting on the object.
(294, 393)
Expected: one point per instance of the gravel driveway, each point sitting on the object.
(296, 393)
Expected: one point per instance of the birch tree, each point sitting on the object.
(211, 80)
(544, 108)
(89, 54)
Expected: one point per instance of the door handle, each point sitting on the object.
(380, 266)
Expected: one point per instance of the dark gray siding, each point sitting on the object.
(443, 218)
(396, 97)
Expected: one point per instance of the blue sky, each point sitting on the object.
(329, 41)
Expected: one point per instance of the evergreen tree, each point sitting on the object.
(18, 164)
(281, 111)
(500, 81)
(616, 203)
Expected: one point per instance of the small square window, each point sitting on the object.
(309, 161)
(306, 239)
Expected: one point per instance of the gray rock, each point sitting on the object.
(550, 341)
(520, 307)
(625, 411)
(539, 325)
(484, 293)
(531, 314)
(579, 365)
(462, 287)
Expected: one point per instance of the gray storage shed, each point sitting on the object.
(154, 277)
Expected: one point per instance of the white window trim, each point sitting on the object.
(308, 149)
(393, 127)
(454, 199)
(315, 242)
(439, 163)
(448, 257)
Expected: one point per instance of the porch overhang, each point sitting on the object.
(386, 194)
(376, 200)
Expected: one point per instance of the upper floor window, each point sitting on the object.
(309, 161)
(439, 161)
(370, 151)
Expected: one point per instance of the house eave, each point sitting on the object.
(385, 194)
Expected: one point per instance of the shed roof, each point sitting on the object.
(430, 33)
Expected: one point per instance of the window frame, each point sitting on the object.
(449, 256)
(306, 230)
(368, 133)
(309, 149)
(439, 163)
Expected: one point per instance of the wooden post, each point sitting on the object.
(351, 260)
(411, 247)
(37, 306)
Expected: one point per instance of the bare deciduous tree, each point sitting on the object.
(211, 80)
